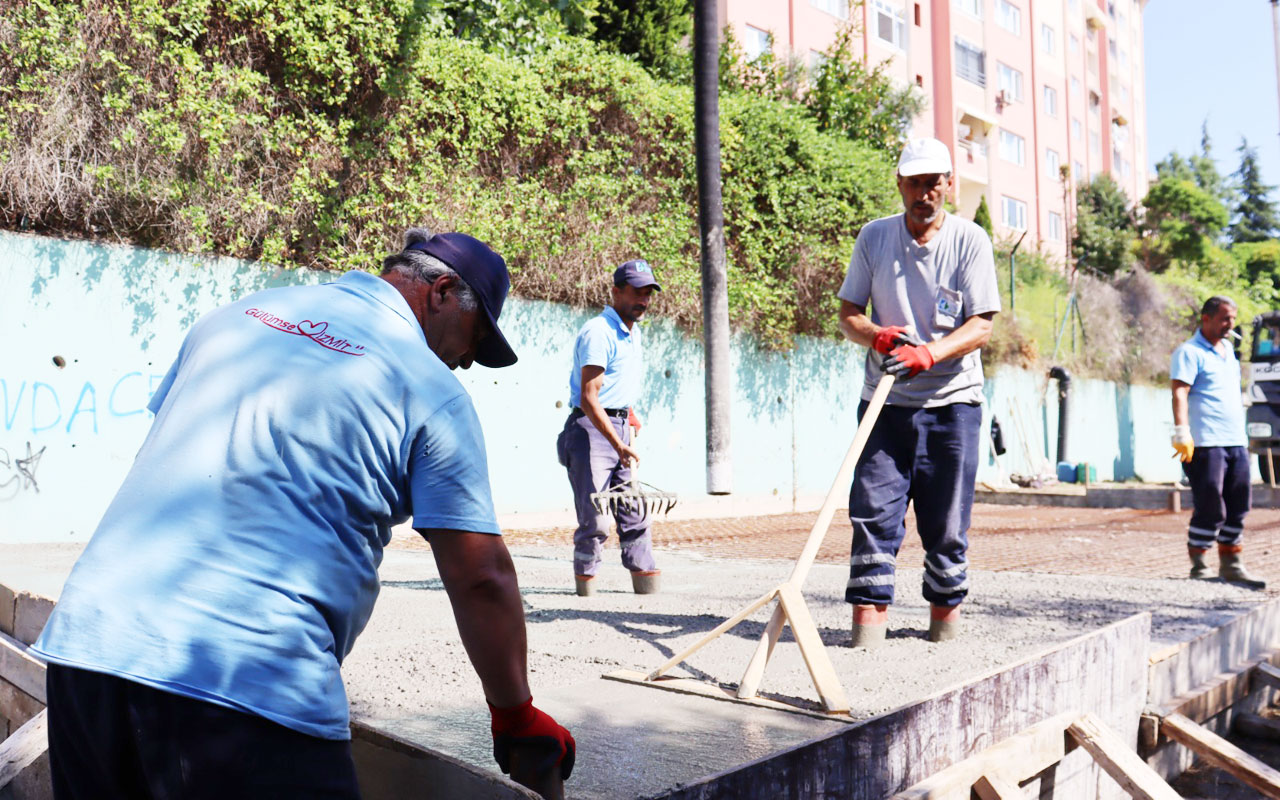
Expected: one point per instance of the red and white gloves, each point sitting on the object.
(888, 338)
(526, 725)
(633, 419)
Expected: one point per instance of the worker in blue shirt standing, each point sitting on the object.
(1209, 437)
(596, 444)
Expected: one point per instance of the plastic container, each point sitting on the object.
(1066, 472)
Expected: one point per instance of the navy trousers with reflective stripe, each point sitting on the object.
(1221, 495)
(929, 458)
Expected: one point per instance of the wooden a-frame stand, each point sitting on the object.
(791, 607)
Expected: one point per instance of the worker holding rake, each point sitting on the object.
(929, 278)
(596, 446)
(196, 648)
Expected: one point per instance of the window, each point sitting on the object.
(1009, 17)
(1112, 48)
(1013, 148)
(1052, 164)
(1076, 88)
(1075, 128)
(1048, 39)
(1095, 102)
(973, 7)
(836, 8)
(1009, 81)
(1051, 101)
(1073, 43)
(891, 24)
(1056, 231)
(971, 62)
(1124, 96)
(1077, 170)
(1095, 143)
(756, 43)
(1015, 213)
(1124, 59)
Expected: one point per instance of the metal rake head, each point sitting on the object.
(650, 501)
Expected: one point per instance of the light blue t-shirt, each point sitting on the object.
(1214, 407)
(238, 562)
(606, 342)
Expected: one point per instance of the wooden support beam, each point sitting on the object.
(20, 668)
(1268, 675)
(1222, 754)
(993, 787)
(24, 759)
(821, 670)
(742, 614)
(1133, 774)
(1253, 725)
(1016, 759)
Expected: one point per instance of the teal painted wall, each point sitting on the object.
(116, 316)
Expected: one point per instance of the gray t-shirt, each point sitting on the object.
(931, 288)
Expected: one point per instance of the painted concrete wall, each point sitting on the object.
(115, 316)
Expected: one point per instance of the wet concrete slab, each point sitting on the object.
(633, 741)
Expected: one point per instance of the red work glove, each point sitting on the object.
(524, 724)
(887, 338)
(633, 419)
(908, 358)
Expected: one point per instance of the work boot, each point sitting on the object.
(944, 623)
(1199, 567)
(643, 582)
(870, 623)
(1231, 568)
(585, 585)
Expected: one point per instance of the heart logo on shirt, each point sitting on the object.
(312, 329)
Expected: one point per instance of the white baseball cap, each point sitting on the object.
(924, 157)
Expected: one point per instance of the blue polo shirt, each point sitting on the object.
(1214, 406)
(606, 342)
(238, 562)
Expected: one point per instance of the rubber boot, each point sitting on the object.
(1199, 567)
(944, 623)
(646, 582)
(870, 624)
(1231, 568)
(585, 585)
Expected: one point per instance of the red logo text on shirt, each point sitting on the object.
(317, 332)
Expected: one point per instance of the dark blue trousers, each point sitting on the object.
(927, 457)
(112, 739)
(1221, 495)
(593, 466)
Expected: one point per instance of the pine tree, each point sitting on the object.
(983, 215)
(1255, 214)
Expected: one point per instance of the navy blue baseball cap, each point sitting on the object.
(637, 273)
(486, 273)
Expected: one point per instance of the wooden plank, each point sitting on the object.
(1222, 754)
(1248, 724)
(23, 750)
(711, 690)
(1117, 760)
(814, 651)
(16, 705)
(1268, 675)
(19, 667)
(1011, 761)
(993, 787)
(742, 614)
(6, 609)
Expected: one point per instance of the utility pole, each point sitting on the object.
(715, 289)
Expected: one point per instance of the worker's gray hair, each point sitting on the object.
(420, 266)
(1212, 305)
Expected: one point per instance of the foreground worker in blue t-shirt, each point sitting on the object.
(595, 445)
(1209, 437)
(195, 650)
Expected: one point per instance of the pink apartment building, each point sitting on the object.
(1018, 89)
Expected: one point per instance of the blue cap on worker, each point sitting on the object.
(637, 273)
(486, 273)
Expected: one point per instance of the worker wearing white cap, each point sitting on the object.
(930, 280)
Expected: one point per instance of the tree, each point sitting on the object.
(1104, 227)
(1182, 223)
(983, 215)
(1255, 213)
(649, 30)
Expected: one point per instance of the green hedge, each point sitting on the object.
(312, 133)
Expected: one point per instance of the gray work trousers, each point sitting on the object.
(594, 466)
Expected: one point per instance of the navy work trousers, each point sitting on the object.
(1221, 495)
(928, 457)
(113, 739)
(594, 466)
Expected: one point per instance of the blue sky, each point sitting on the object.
(1214, 60)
